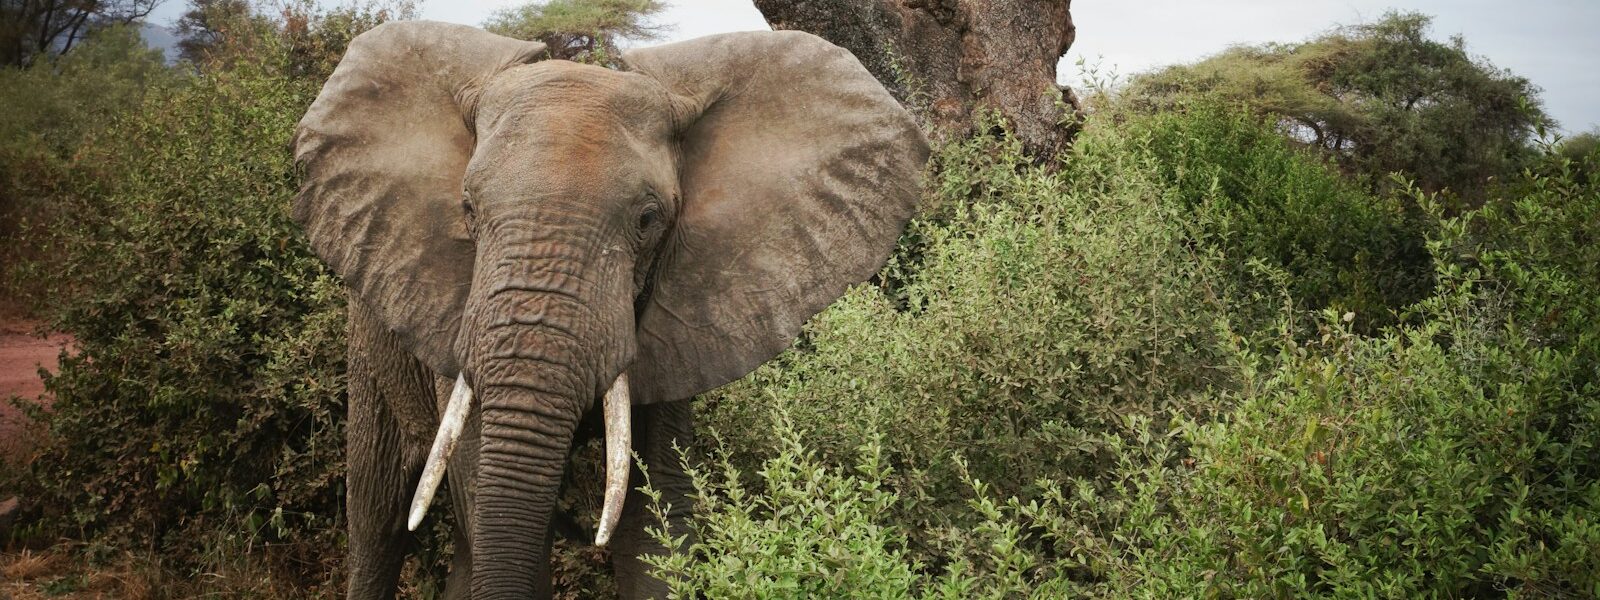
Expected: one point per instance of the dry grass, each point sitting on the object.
(58, 573)
(28, 565)
(67, 571)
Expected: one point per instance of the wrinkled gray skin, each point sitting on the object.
(542, 226)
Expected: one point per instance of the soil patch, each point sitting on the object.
(23, 351)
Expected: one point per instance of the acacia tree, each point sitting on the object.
(204, 27)
(1378, 98)
(218, 35)
(948, 59)
(33, 28)
(579, 29)
(1582, 145)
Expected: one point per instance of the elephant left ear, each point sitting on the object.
(798, 172)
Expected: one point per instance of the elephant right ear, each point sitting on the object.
(385, 147)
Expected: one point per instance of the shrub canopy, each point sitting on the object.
(1074, 400)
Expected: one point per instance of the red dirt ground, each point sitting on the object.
(22, 352)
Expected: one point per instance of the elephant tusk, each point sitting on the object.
(444, 443)
(619, 438)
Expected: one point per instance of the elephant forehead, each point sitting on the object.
(564, 91)
(573, 152)
(568, 125)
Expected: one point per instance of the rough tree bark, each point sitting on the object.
(947, 59)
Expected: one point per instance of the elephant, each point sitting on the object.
(532, 244)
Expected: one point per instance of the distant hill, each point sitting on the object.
(162, 38)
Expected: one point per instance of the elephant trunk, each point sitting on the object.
(549, 337)
(527, 431)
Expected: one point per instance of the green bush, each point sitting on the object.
(813, 533)
(1455, 455)
(208, 337)
(810, 529)
(1258, 198)
(1031, 312)
(53, 105)
(1041, 310)
(1454, 458)
(53, 108)
(202, 407)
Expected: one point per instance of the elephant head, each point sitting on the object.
(550, 233)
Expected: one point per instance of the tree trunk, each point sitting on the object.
(948, 60)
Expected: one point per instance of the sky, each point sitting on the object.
(1554, 43)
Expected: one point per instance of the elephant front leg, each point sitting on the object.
(661, 429)
(383, 460)
(379, 476)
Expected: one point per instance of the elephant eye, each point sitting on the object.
(649, 217)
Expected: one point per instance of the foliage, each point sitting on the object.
(1190, 360)
(204, 401)
(1281, 216)
(1378, 98)
(55, 107)
(1581, 145)
(188, 341)
(817, 531)
(205, 27)
(586, 30)
(1582, 151)
(220, 35)
(1033, 311)
(1454, 455)
(1040, 309)
(1453, 458)
(33, 29)
(54, 104)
